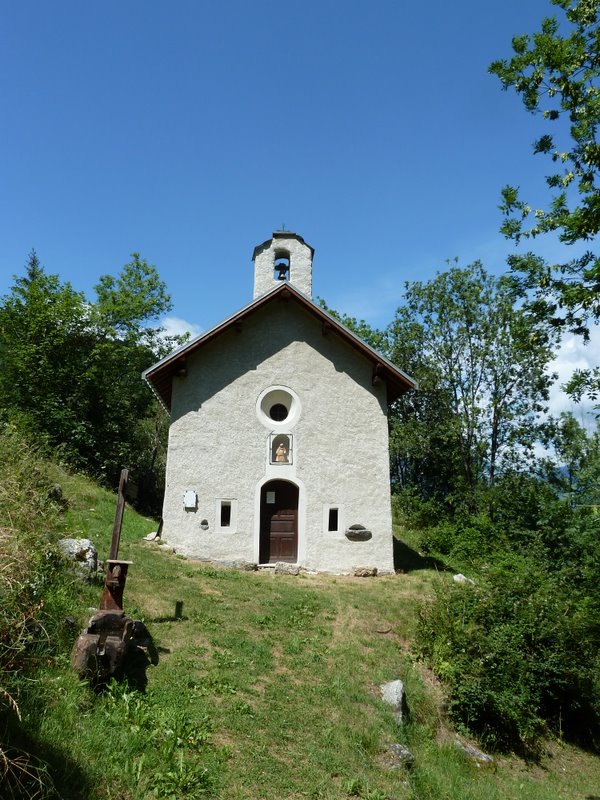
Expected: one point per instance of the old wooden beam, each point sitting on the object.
(116, 570)
(378, 374)
(116, 534)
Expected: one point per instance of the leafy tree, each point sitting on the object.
(43, 339)
(422, 424)
(372, 336)
(71, 369)
(481, 366)
(569, 441)
(575, 469)
(121, 410)
(479, 361)
(556, 72)
(125, 304)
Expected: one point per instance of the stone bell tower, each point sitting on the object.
(285, 257)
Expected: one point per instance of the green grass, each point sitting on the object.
(265, 689)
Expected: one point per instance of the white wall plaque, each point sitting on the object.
(190, 499)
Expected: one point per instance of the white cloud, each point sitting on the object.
(174, 326)
(574, 354)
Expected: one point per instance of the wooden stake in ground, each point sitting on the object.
(116, 569)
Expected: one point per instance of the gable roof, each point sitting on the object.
(160, 375)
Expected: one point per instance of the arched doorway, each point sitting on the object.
(278, 522)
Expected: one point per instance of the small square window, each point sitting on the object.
(332, 524)
(225, 513)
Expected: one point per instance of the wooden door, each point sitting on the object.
(278, 522)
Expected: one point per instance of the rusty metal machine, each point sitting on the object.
(111, 643)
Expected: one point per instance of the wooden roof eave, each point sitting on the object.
(160, 375)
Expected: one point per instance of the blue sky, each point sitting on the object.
(188, 131)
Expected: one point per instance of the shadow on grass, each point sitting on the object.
(138, 660)
(178, 615)
(407, 560)
(34, 768)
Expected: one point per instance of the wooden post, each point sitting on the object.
(116, 534)
(114, 585)
(116, 570)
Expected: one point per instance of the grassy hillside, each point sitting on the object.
(266, 687)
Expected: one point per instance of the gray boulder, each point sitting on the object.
(365, 572)
(392, 693)
(83, 552)
(477, 756)
(463, 580)
(400, 756)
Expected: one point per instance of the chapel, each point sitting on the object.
(278, 438)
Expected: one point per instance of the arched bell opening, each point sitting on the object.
(281, 265)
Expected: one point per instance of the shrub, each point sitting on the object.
(32, 597)
(518, 653)
(411, 509)
(466, 540)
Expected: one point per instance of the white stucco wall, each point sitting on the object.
(218, 446)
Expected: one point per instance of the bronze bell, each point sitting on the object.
(282, 270)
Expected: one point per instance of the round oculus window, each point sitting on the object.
(278, 405)
(278, 412)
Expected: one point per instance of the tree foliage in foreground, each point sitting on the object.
(70, 369)
(35, 597)
(519, 651)
(556, 71)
